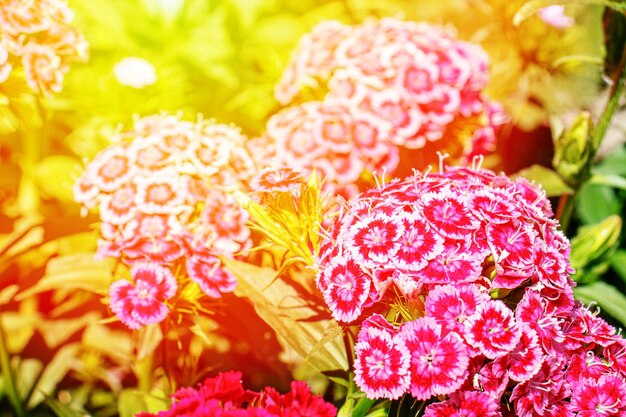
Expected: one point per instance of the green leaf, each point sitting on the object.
(54, 372)
(533, 6)
(549, 180)
(62, 410)
(596, 202)
(119, 345)
(27, 372)
(317, 340)
(56, 332)
(618, 263)
(75, 271)
(614, 164)
(610, 180)
(132, 401)
(609, 298)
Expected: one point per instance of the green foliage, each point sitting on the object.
(132, 401)
(618, 263)
(609, 298)
(596, 202)
(62, 410)
(310, 332)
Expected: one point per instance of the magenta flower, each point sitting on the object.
(382, 365)
(346, 286)
(451, 306)
(535, 311)
(602, 397)
(439, 359)
(555, 16)
(525, 360)
(374, 240)
(417, 246)
(143, 302)
(492, 329)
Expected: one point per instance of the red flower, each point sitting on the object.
(225, 396)
(298, 402)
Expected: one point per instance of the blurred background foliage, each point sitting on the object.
(221, 59)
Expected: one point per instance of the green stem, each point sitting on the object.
(617, 88)
(28, 198)
(9, 378)
(566, 203)
(144, 373)
(565, 210)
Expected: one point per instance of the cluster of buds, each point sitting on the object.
(163, 194)
(389, 90)
(460, 282)
(37, 35)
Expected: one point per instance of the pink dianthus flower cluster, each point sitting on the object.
(162, 192)
(37, 35)
(225, 396)
(489, 320)
(390, 89)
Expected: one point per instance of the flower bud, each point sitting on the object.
(592, 247)
(573, 150)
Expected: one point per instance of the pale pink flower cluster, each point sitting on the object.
(162, 192)
(386, 88)
(477, 265)
(37, 35)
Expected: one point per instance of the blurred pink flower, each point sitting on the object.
(143, 301)
(162, 194)
(383, 90)
(37, 33)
